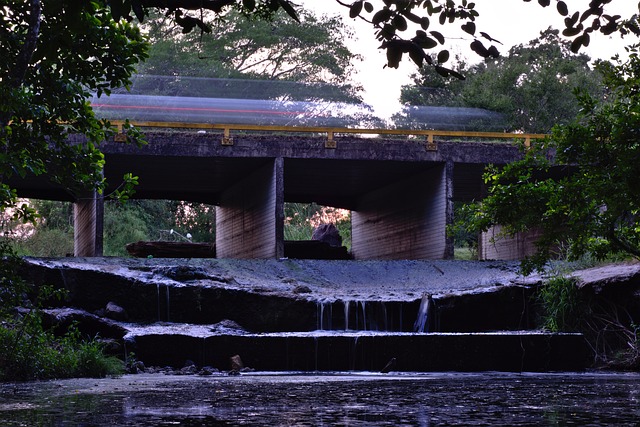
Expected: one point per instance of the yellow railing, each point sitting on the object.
(330, 131)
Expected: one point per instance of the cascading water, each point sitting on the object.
(353, 355)
(324, 309)
(422, 321)
(158, 300)
(167, 291)
(370, 316)
(350, 329)
(320, 315)
(346, 314)
(159, 303)
(364, 315)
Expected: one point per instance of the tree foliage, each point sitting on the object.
(578, 188)
(396, 20)
(532, 86)
(393, 19)
(311, 53)
(56, 54)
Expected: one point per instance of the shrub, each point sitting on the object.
(27, 350)
(561, 304)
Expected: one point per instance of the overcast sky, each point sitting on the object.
(510, 21)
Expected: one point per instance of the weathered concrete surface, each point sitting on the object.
(293, 295)
(326, 280)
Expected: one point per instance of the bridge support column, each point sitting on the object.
(250, 218)
(493, 245)
(88, 224)
(407, 219)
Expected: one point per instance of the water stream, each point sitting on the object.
(362, 315)
(287, 399)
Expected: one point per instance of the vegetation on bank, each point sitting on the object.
(578, 189)
(608, 322)
(30, 351)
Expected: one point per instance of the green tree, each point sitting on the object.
(55, 54)
(578, 188)
(394, 19)
(532, 86)
(311, 53)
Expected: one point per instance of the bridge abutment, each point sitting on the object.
(406, 219)
(249, 219)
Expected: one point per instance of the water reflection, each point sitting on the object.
(319, 400)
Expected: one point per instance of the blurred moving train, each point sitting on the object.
(152, 108)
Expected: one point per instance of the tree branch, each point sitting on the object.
(214, 5)
(17, 75)
(29, 46)
(625, 246)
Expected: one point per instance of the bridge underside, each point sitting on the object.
(400, 193)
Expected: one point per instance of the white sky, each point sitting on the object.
(510, 21)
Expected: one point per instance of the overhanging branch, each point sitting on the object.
(213, 5)
(31, 39)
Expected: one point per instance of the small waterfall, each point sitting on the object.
(354, 353)
(422, 321)
(346, 314)
(167, 291)
(385, 318)
(158, 300)
(322, 307)
(320, 315)
(363, 315)
(203, 355)
(315, 343)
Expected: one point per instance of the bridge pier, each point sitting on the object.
(250, 217)
(406, 219)
(88, 224)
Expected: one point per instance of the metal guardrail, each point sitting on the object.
(329, 131)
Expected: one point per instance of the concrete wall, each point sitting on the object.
(406, 219)
(250, 216)
(88, 220)
(491, 245)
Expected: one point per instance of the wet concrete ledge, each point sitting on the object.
(294, 295)
(524, 351)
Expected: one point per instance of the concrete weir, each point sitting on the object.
(513, 351)
(306, 315)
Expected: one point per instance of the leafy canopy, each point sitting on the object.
(579, 188)
(312, 53)
(395, 21)
(54, 55)
(532, 85)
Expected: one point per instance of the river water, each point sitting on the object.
(339, 399)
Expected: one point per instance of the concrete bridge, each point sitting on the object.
(400, 185)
